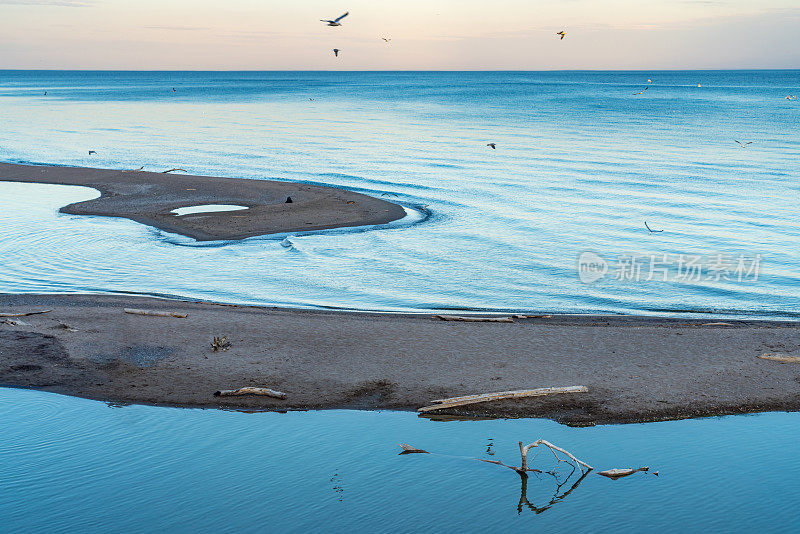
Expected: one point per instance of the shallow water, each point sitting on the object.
(74, 465)
(580, 164)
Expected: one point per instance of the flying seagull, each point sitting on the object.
(562, 33)
(92, 152)
(744, 144)
(336, 52)
(788, 97)
(493, 145)
(335, 22)
(642, 91)
(650, 229)
(649, 80)
(385, 39)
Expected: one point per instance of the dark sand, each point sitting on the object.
(148, 198)
(636, 368)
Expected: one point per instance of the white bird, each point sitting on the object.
(650, 229)
(335, 22)
(744, 144)
(385, 39)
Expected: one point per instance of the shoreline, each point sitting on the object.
(637, 368)
(149, 197)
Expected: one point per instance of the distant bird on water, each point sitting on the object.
(336, 52)
(640, 92)
(562, 33)
(744, 144)
(493, 145)
(650, 229)
(335, 22)
(92, 152)
(45, 94)
(173, 90)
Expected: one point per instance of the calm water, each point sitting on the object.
(581, 163)
(73, 465)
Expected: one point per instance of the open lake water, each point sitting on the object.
(581, 163)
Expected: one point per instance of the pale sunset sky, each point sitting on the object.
(425, 34)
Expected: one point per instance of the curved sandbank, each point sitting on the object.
(149, 197)
(636, 368)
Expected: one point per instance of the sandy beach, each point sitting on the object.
(636, 368)
(149, 197)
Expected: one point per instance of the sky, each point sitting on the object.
(425, 34)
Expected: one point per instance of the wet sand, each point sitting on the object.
(636, 368)
(149, 197)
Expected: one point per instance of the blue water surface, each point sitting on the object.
(581, 163)
(74, 465)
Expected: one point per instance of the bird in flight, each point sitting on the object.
(649, 80)
(650, 229)
(385, 39)
(336, 52)
(640, 92)
(493, 145)
(788, 97)
(335, 22)
(92, 152)
(562, 33)
(744, 144)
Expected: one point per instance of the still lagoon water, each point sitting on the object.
(581, 163)
(75, 465)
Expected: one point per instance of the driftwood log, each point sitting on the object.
(173, 170)
(408, 449)
(780, 357)
(614, 474)
(440, 404)
(152, 313)
(265, 392)
(474, 319)
(25, 314)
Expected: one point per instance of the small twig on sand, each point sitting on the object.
(220, 343)
(266, 392)
(474, 319)
(440, 404)
(14, 322)
(134, 311)
(173, 170)
(614, 474)
(25, 314)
